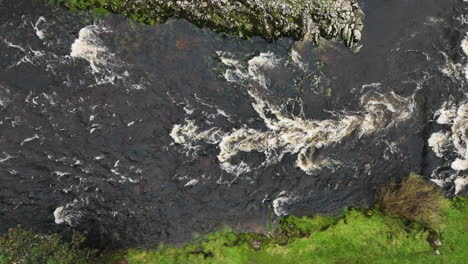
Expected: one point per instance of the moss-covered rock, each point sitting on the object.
(331, 19)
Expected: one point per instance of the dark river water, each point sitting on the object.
(141, 134)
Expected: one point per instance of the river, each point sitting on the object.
(140, 134)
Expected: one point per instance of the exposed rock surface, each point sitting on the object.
(331, 19)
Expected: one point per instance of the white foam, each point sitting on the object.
(192, 182)
(3, 102)
(30, 56)
(460, 164)
(40, 33)
(226, 60)
(372, 85)
(464, 46)
(105, 66)
(182, 134)
(67, 214)
(122, 177)
(26, 140)
(281, 202)
(457, 137)
(454, 70)
(439, 142)
(297, 59)
(99, 157)
(460, 134)
(137, 87)
(89, 46)
(287, 133)
(58, 215)
(460, 184)
(454, 140)
(49, 98)
(235, 169)
(6, 157)
(60, 173)
(188, 134)
(446, 113)
(439, 182)
(219, 112)
(458, 71)
(265, 60)
(11, 45)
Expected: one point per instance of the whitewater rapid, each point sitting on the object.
(453, 140)
(287, 133)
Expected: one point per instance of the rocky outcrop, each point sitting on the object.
(331, 19)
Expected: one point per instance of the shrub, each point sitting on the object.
(22, 246)
(414, 199)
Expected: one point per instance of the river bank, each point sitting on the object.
(337, 19)
(357, 236)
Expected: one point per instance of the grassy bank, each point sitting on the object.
(359, 236)
(411, 223)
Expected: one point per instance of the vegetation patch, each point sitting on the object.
(23, 246)
(414, 200)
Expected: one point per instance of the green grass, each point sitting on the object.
(359, 236)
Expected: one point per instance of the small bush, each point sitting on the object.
(22, 246)
(415, 200)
